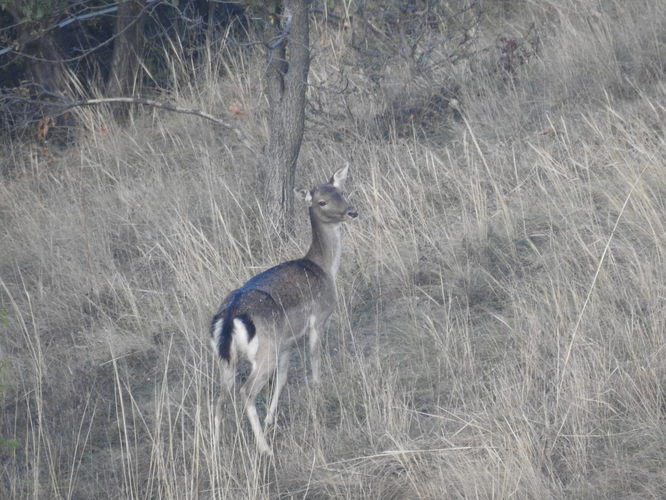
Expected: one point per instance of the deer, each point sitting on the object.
(263, 319)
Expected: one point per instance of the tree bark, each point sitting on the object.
(288, 53)
(45, 65)
(127, 49)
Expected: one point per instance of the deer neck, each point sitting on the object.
(326, 246)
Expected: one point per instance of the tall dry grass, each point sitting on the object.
(502, 315)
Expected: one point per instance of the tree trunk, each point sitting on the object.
(36, 40)
(45, 65)
(286, 80)
(127, 48)
(46, 77)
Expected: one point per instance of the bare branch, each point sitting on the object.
(169, 107)
(37, 34)
(89, 15)
(148, 9)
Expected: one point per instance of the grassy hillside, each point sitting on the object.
(501, 329)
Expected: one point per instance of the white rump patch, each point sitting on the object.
(243, 343)
(217, 331)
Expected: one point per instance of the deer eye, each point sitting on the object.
(322, 203)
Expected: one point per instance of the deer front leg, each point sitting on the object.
(315, 355)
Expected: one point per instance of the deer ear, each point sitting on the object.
(339, 177)
(304, 194)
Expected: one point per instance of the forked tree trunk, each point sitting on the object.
(286, 80)
(127, 49)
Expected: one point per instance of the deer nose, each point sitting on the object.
(351, 212)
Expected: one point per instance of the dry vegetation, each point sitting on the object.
(501, 330)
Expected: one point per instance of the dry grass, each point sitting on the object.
(502, 319)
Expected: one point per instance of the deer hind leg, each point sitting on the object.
(280, 381)
(228, 377)
(261, 372)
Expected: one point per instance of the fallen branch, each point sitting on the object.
(162, 105)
